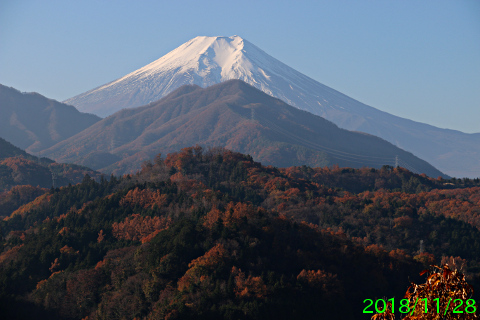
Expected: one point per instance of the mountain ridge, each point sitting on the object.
(232, 114)
(208, 60)
(33, 122)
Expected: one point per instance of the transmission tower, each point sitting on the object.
(54, 179)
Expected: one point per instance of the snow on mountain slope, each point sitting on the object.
(205, 61)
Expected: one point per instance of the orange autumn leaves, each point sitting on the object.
(202, 269)
(437, 298)
(234, 213)
(144, 198)
(137, 227)
(39, 201)
(248, 287)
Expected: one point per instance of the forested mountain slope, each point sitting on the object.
(20, 168)
(214, 235)
(234, 115)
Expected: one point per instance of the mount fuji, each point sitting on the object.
(205, 61)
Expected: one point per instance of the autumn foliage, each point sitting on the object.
(211, 234)
(233, 213)
(145, 198)
(445, 295)
(138, 228)
(248, 287)
(202, 268)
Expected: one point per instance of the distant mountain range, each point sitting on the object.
(32, 122)
(234, 115)
(205, 61)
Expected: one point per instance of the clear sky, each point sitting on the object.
(417, 59)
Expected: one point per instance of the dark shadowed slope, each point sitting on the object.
(32, 122)
(234, 115)
(8, 150)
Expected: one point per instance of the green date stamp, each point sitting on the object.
(457, 306)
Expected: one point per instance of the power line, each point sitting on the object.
(407, 166)
(342, 155)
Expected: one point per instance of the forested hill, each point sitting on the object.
(18, 168)
(8, 150)
(214, 235)
(23, 177)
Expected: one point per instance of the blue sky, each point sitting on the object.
(415, 59)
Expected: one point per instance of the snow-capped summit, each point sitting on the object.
(205, 61)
